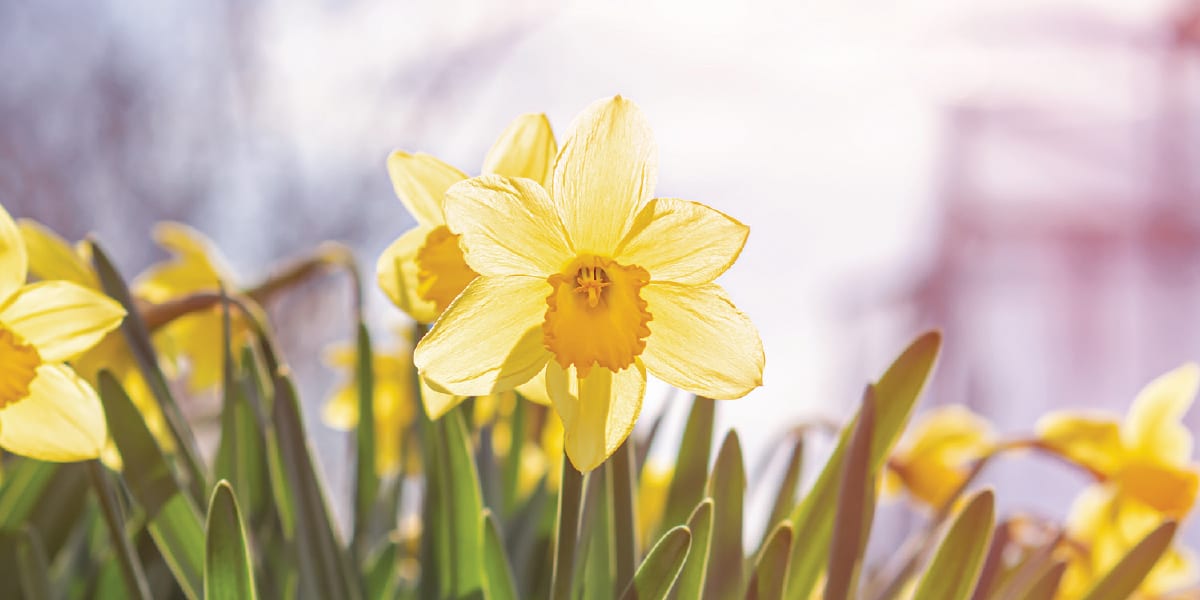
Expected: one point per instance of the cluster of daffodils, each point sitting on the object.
(1142, 467)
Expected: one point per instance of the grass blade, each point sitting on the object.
(695, 570)
(855, 507)
(228, 571)
(657, 574)
(1124, 578)
(954, 571)
(896, 393)
(691, 468)
(497, 571)
(727, 489)
(770, 574)
(366, 484)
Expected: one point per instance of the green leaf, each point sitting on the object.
(30, 560)
(657, 574)
(172, 519)
(324, 567)
(381, 577)
(1124, 578)
(497, 572)
(1046, 587)
(691, 468)
(241, 453)
(895, 395)
(597, 579)
(1029, 572)
(770, 574)
(953, 573)
(127, 560)
(138, 338)
(691, 579)
(785, 497)
(855, 507)
(366, 487)
(624, 499)
(727, 488)
(24, 481)
(228, 570)
(465, 501)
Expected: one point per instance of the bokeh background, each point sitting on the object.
(1020, 173)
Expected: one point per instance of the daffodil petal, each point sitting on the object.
(60, 318)
(682, 241)
(61, 420)
(534, 390)
(421, 181)
(437, 403)
(14, 262)
(700, 342)
(525, 149)
(604, 173)
(396, 271)
(197, 265)
(1155, 427)
(1092, 441)
(489, 339)
(598, 412)
(53, 258)
(341, 411)
(509, 226)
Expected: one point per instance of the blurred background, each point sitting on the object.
(1020, 173)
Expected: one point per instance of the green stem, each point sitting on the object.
(566, 533)
(623, 507)
(131, 569)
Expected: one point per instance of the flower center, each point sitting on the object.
(19, 361)
(441, 271)
(595, 314)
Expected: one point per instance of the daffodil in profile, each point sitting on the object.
(595, 282)
(53, 258)
(423, 270)
(1144, 473)
(939, 455)
(47, 411)
(197, 338)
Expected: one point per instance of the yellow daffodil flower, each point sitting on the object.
(47, 411)
(196, 338)
(394, 404)
(1145, 475)
(594, 283)
(653, 485)
(939, 455)
(423, 270)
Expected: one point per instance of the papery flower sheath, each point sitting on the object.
(47, 411)
(594, 282)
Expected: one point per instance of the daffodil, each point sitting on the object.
(1144, 470)
(394, 403)
(595, 284)
(653, 486)
(423, 270)
(47, 411)
(196, 338)
(939, 455)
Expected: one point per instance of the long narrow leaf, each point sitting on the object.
(228, 570)
(1124, 578)
(855, 507)
(497, 571)
(130, 568)
(691, 467)
(770, 574)
(172, 519)
(657, 574)
(954, 571)
(691, 578)
(896, 393)
(727, 489)
(366, 479)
